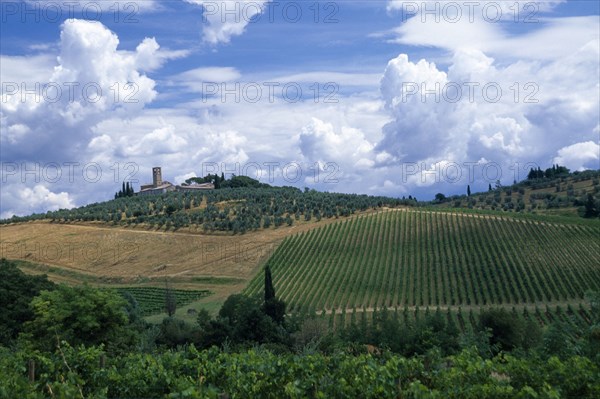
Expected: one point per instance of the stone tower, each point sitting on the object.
(156, 176)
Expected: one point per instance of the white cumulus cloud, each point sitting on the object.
(579, 156)
(227, 18)
(89, 81)
(22, 201)
(319, 142)
(530, 111)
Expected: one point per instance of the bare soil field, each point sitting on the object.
(103, 255)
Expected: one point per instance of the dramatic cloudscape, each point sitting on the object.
(379, 97)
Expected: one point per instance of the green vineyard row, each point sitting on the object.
(152, 300)
(423, 258)
(578, 317)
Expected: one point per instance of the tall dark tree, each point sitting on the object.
(269, 289)
(490, 187)
(275, 309)
(125, 191)
(507, 331)
(469, 190)
(591, 210)
(170, 301)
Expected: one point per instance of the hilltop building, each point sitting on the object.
(195, 187)
(160, 186)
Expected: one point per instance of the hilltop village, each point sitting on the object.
(160, 186)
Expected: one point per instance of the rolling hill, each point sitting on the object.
(340, 253)
(423, 258)
(563, 195)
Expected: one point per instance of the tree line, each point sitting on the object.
(125, 191)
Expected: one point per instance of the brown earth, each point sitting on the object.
(100, 254)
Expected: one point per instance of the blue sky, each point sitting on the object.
(372, 128)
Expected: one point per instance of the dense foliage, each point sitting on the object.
(259, 373)
(423, 258)
(555, 170)
(221, 182)
(16, 292)
(79, 315)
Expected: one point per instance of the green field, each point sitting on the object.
(427, 258)
(151, 300)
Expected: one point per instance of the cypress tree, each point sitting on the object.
(590, 207)
(269, 289)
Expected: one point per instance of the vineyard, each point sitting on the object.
(574, 317)
(430, 259)
(151, 300)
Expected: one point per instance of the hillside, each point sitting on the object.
(562, 195)
(113, 255)
(227, 210)
(327, 251)
(408, 258)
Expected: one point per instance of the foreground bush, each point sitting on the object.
(258, 373)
